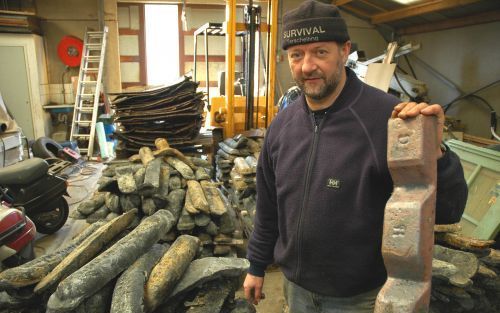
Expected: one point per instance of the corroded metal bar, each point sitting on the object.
(146, 155)
(92, 276)
(169, 270)
(152, 175)
(408, 236)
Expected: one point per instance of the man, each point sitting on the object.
(322, 177)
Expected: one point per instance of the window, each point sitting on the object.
(162, 43)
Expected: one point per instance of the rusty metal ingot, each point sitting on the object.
(408, 236)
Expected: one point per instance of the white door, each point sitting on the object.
(23, 82)
(14, 87)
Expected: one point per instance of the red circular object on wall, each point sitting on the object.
(69, 50)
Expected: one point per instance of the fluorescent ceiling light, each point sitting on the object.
(406, 1)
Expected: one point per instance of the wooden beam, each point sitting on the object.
(139, 86)
(373, 5)
(206, 6)
(189, 2)
(182, 53)
(142, 46)
(211, 58)
(8, 12)
(130, 58)
(341, 2)
(128, 31)
(356, 11)
(418, 9)
(480, 18)
(479, 140)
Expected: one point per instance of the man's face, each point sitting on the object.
(317, 68)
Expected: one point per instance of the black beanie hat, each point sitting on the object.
(313, 21)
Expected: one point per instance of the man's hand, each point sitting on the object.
(253, 288)
(411, 109)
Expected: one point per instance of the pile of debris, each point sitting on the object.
(173, 112)
(236, 163)
(245, 208)
(116, 267)
(242, 191)
(167, 179)
(465, 273)
(243, 148)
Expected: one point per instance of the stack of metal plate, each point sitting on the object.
(173, 112)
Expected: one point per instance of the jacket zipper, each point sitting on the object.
(305, 199)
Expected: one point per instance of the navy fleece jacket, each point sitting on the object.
(322, 190)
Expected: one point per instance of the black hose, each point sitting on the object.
(411, 67)
(402, 88)
(493, 114)
(447, 106)
(401, 69)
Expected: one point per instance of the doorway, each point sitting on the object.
(149, 44)
(162, 43)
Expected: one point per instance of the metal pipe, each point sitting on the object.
(249, 72)
(271, 73)
(230, 61)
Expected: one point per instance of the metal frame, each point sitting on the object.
(208, 29)
(231, 30)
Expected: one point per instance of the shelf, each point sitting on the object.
(19, 22)
(59, 106)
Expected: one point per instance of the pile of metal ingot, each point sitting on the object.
(115, 267)
(236, 163)
(167, 179)
(241, 150)
(173, 112)
(242, 190)
(246, 210)
(465, 273)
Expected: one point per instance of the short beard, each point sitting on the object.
(331, 84)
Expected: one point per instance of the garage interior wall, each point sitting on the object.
(132, 52)
(466, 56)
(58, 19)
(72, 17)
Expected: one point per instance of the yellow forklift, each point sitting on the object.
(253, 107)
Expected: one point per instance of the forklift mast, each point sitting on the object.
(222, 111)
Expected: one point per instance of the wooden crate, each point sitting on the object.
(481, 218)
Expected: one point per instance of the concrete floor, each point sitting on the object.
(82, 186)
(273, 289)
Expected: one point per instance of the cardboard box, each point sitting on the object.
(11, 148)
